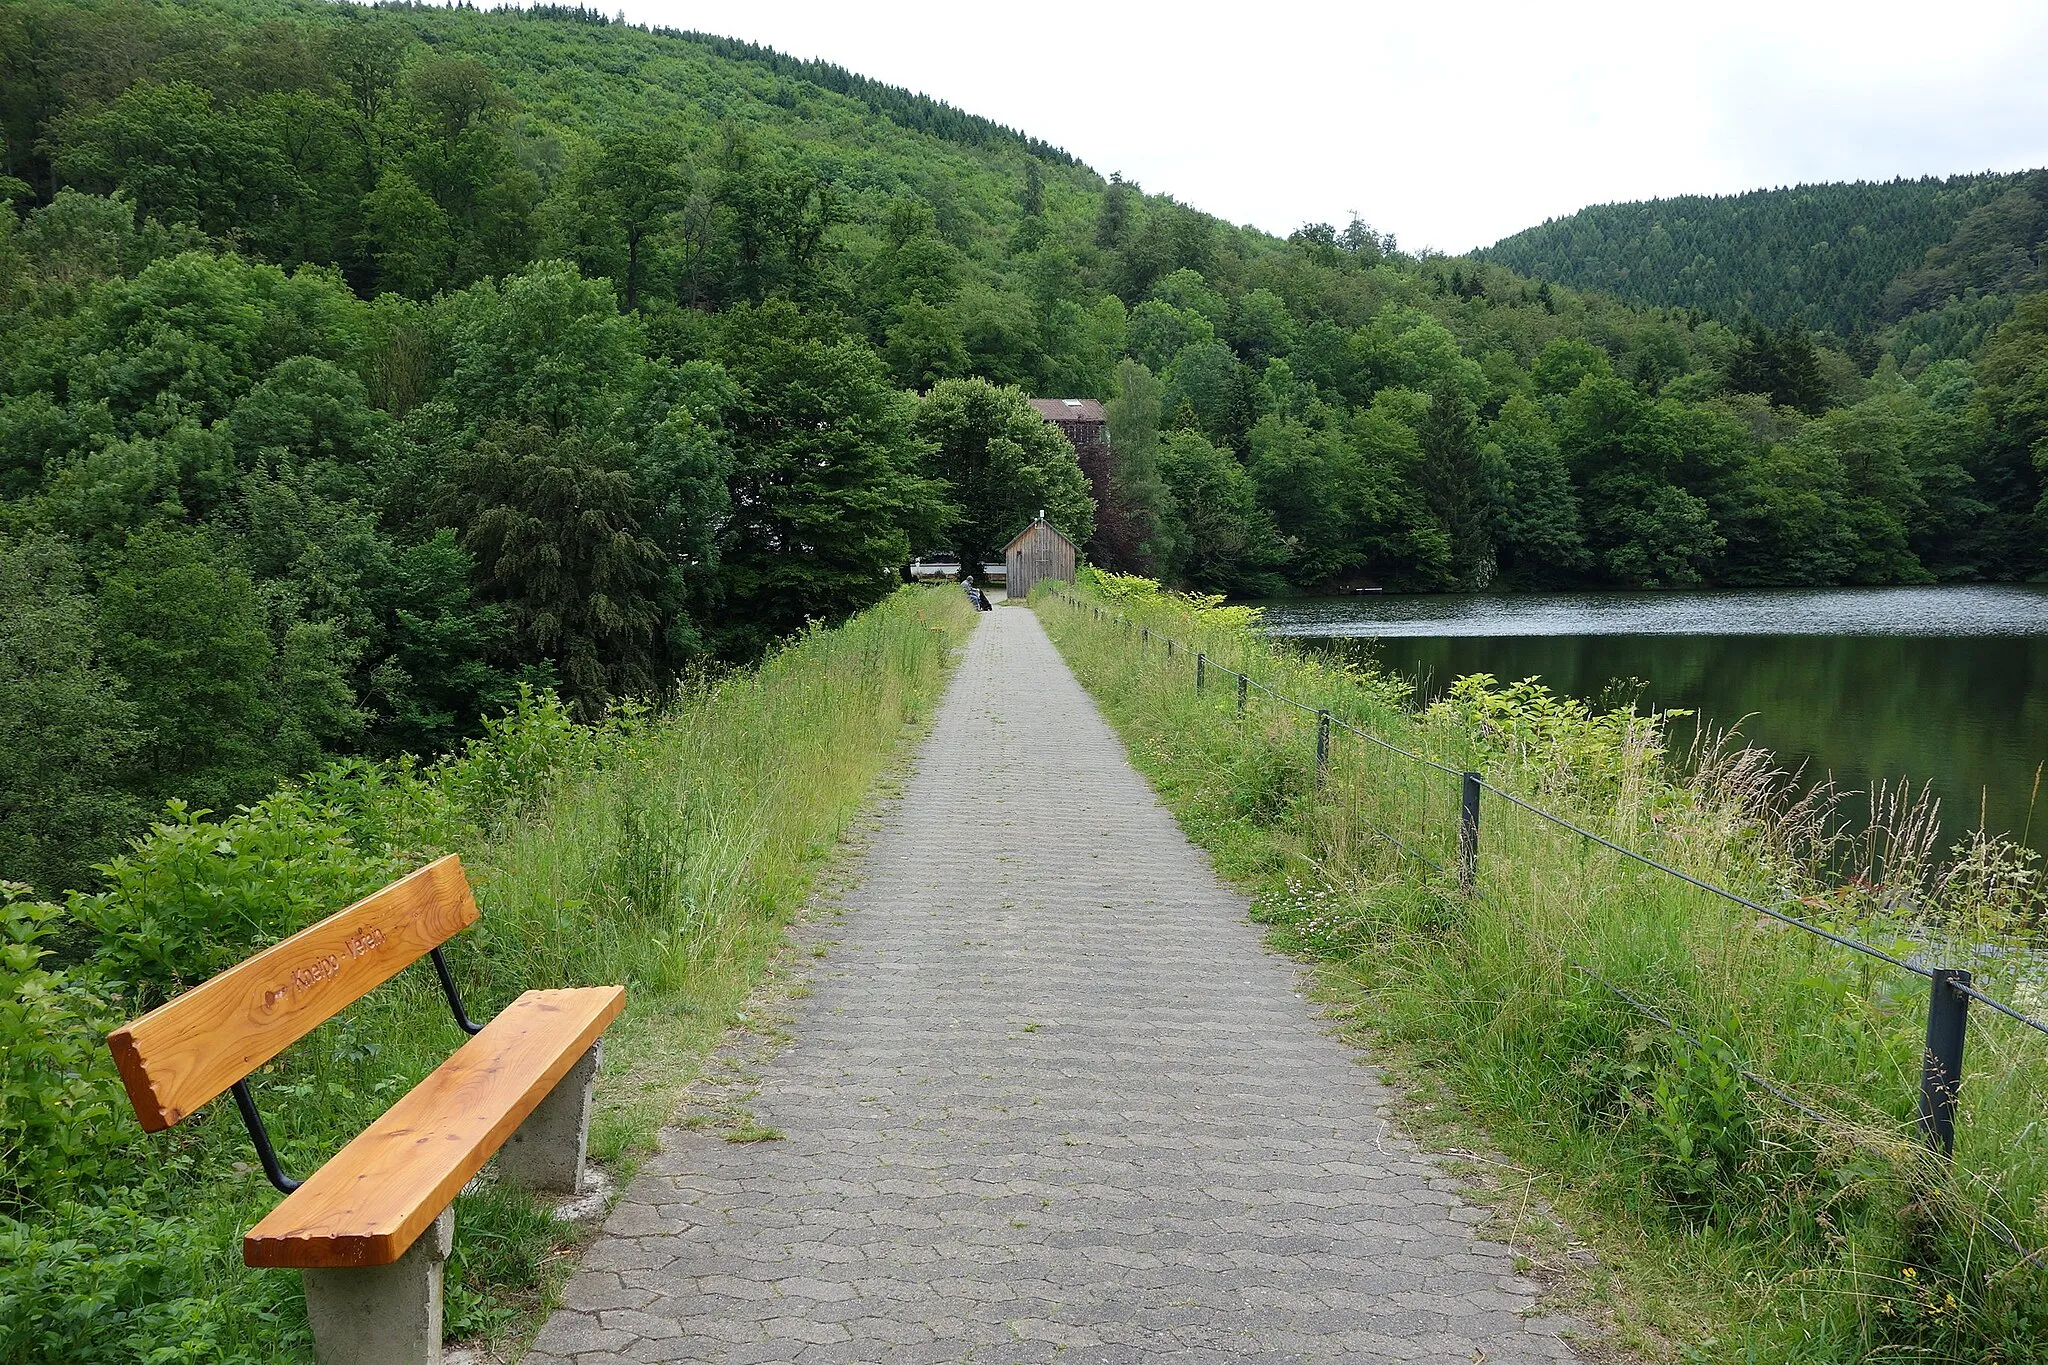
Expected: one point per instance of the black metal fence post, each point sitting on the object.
(1201, 668)
(1941, 1068)
(1468, 834)
(1144, 641)
(1322, 749)
(1169, 647)
(1242, 687)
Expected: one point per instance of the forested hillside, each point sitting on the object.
(1923, 269)
(359, 367)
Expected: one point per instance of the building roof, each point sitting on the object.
(1069, 409)
(1035, 523)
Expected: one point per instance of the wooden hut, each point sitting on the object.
(1039, 552)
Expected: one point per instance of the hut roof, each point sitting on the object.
(1069, 409)
(1037, 522)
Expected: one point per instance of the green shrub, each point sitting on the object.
(521, 755)
(127, 1281)
(1694, 1105)
(398, 810)
(1270, 778)
(58, 1124)
(198, 895)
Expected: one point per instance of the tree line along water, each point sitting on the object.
(1941, 687)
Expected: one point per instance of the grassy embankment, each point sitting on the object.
(1734, 1226)
(665, 849)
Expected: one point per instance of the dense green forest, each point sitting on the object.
(1922, 269)
(360, 366)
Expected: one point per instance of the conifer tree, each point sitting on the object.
(554, 522)
(1138, 526)
(1456, 485)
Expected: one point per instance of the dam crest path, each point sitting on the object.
(1049, 1098)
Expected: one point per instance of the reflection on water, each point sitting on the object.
(2002, 609)
(1929, 683)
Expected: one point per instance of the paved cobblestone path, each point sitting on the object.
(1049, 1100)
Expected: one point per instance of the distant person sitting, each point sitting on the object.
(976, 595)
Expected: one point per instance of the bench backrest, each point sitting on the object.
(185, 1053)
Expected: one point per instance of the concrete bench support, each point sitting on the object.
(546, 1151)
(391, 1314)
(382, 1314)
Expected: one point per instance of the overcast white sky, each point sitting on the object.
(1453, 124)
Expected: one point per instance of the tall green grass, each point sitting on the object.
(1829, 1235)
(663, 848)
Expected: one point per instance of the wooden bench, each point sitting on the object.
(519, 1088)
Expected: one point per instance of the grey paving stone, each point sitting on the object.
(1049, 1098)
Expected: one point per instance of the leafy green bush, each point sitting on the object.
(1694, 1104)
(199, 895)
(1564, 749)
(523, 753)
(1130, 589)
(57, 1087)
(399, 809)
(125, 1280)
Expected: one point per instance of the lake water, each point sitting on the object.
(1948, 685)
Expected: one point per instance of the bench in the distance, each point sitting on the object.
(372, 1227)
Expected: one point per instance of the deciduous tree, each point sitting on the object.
(1000, 463)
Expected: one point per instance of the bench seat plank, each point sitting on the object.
(369, 1203)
